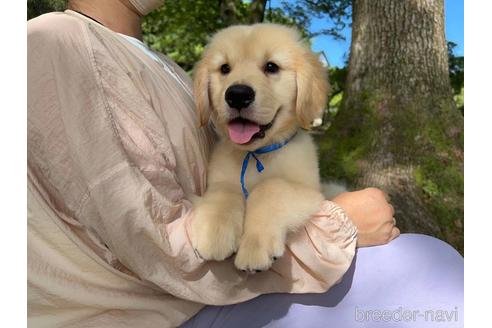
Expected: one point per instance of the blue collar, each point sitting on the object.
(259, 165)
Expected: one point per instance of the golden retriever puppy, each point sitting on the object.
(259, 85)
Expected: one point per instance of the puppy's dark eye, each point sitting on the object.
(271, 68)
(225, 69)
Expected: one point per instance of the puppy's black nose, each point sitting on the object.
(239, 96)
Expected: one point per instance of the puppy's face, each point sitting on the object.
(259, 84)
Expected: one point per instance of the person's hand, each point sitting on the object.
(371, 213)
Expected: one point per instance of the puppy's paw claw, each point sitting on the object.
(257, 253)
(197, 253)
(214, 240)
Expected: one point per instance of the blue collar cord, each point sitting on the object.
(259, 165)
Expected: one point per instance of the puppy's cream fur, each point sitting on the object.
(287, 192)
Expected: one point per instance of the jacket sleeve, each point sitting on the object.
(111, 169)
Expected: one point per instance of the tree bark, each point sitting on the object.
(257, 11)
(398, 128)
(229, 12)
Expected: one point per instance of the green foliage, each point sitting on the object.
(457, 76)
(181, 29)
(338, 11)
(456, 68)
(428, 186)
(336, 100)
(40, 7)
(459, 99)
(279, 16)
(337, 77)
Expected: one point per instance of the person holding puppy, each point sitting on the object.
(115, 157)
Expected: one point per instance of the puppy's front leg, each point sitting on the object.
(274, 208)
(217, 225)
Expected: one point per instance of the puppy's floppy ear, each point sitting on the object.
(201, 91)
(312, 88)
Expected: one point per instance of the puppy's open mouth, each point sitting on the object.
(243, 131)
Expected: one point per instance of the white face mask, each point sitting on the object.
(146, 6)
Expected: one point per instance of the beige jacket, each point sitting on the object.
(114, 156)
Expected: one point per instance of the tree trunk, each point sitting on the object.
(398, 128)
(257, 11)
(229, 12)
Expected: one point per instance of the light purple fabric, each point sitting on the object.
(412, 273)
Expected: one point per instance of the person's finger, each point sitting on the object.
(388, 212)
(387, 228)
(387, 196)
(392, 209)
(394, 233)
(394, 221)
(389, 224)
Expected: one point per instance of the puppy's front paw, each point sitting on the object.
(258, 251)
(216, 236)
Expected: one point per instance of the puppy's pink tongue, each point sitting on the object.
(241, 132)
